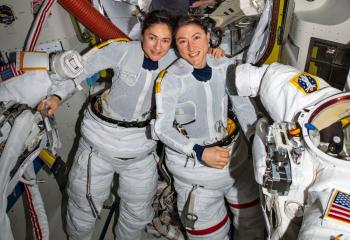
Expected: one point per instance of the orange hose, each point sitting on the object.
(92, 19)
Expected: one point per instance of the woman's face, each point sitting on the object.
(192, 44)
(156, 41)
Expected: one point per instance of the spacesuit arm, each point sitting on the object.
(247, 79)
(28, 88)
(241, 104)
(97, 59)
(63, 89)
(166, 101)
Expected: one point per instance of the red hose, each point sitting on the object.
(92, 19)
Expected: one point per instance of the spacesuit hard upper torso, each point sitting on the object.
(128, 99)
(285, 92)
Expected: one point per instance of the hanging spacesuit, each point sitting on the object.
(24, 133)
(190, 112)
(301, 176)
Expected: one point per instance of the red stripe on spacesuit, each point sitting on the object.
(37, 31)
(209, 230)
(33, 215)
(245, 205)
(38, 26)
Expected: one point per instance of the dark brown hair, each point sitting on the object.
(184, 21)
(156, 17)
(187, 20)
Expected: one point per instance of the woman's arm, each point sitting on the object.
(95, 60)
(166, 100)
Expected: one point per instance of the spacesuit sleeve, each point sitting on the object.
(95, 60)
(28, 88)
(166, 101)
(241, 104)
(248, 78)
(64, 89)
(245, 113)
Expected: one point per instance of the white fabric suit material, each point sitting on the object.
(329, 178)
(273, 85)
(210, 102)
(13, 149)
(32, 86)
(126, 151)
(313, 180)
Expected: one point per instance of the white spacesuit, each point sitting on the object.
(115, 138)
(23, 136)
(199, 109)
(308, 182)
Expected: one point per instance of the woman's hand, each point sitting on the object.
(216, 157)
(48, 106)
(216, 52)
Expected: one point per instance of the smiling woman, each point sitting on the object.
(156, 41)
(192, 120)
(114, 127)
(192, 41)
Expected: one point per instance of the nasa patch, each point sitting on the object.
(305, 82)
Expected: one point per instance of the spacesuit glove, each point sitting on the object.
(48, 106)
(216, 157)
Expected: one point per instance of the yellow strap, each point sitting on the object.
(159, 80)
(47, 157)
(101, 45)
(345, 121)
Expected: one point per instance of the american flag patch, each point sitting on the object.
(9, 70)
(339, 207)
